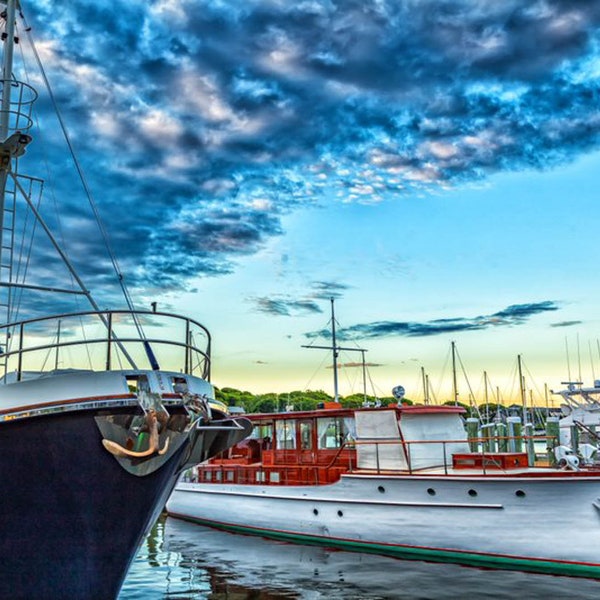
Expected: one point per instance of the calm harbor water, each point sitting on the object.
(180, 560)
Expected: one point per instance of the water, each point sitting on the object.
(180, 560)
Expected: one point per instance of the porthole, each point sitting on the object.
(381, 489)
(340, 513)
(472, 493)
(520, 494)
(315, 511)
(431, 491)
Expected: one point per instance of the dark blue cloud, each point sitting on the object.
(516, 314)
(201, 124)
(566, 323)
(312, 302)
(285, 306)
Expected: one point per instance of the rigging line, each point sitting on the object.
(59, 223)
(325, 357)
(16, 309)
(515, 377)
(372, 385)
(443, 373)
(68, 264)
(472, 398)
(568, 360)
(85, 185)
(536, 409)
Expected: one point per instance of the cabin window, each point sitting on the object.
(333, 432)
(208, 476)
(263, 433)
(230, 475)
(137, 383)
(306, 428)
(260, 476)
(286, 435)
(180, 385)
(274, 477)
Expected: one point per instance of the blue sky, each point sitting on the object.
(431, 164)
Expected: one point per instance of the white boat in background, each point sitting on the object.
(402, 481)
(100, 411)
(579, 419)
(407, 481)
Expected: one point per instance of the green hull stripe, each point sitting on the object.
(490, 561)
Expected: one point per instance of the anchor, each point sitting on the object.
(153, 443)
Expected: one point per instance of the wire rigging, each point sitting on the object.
(84, 183)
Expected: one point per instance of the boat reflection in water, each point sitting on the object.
(183, 560)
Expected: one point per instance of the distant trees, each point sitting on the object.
(310, 399)
(296, 400)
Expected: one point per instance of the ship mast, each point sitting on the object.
(335, 351)
(7, 59)
(454, 383)
(15, 121)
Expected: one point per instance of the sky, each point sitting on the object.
(430, 164)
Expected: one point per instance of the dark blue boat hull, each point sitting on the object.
(71, 517)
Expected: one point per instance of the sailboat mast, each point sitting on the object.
(522, 388)
(364, 374)
(334, 349)
(454, 384)
(487, 400)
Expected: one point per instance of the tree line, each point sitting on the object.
(311, 399)
(297, 400)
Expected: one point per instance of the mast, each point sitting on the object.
(522, 388)
(15, 121)
(7, 61)
(335, 353)
(335, 350)
(425, 386)
(487, 400)
(454, 384)
(364, 374)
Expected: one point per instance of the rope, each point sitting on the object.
(93, 205)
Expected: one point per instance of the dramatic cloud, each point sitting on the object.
(325, 290)
(311, 303)
(286, 307)
(200, 124)
(516, 314)
(566, 323)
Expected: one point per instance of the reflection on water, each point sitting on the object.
(180, 560)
